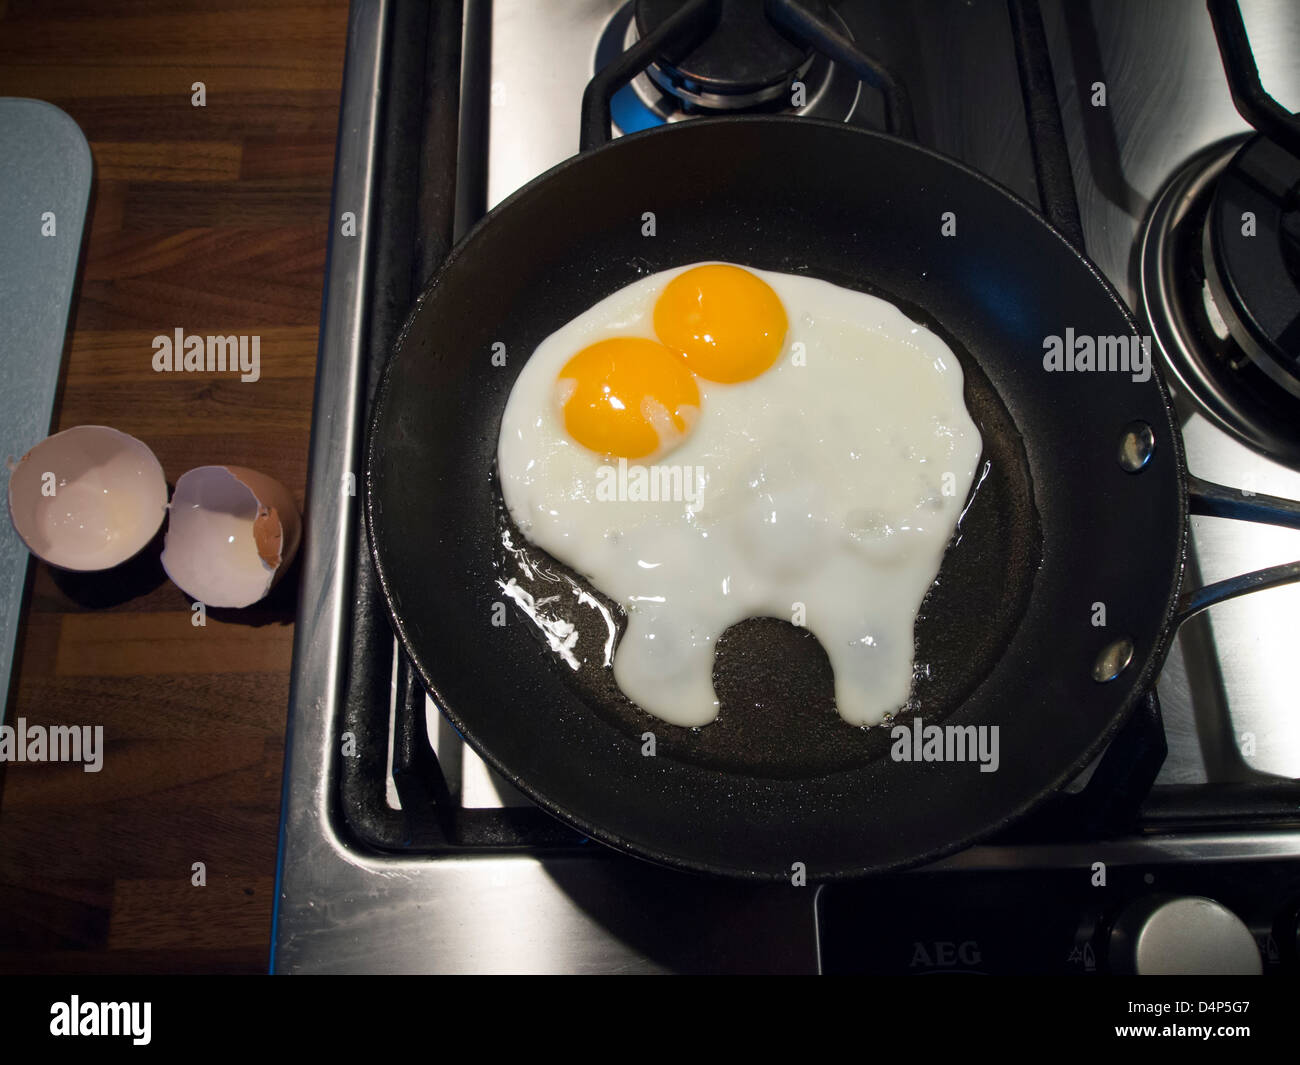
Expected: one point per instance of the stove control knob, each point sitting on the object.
(1172, 934)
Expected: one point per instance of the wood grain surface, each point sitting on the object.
(212, 219)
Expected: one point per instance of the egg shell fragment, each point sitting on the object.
(109, 498)
(231, 535)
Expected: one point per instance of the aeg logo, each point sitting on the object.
(944, 954)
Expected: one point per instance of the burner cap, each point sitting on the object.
(1210, 367)
(1255, 279)
(745, 61)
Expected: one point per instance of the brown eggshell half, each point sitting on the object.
(278, 527)
(231, 535)
(88, 498)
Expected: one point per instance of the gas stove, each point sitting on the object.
(1178, 848)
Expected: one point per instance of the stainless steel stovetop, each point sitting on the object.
(1227, 692)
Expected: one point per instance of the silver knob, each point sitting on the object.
(1168, 934)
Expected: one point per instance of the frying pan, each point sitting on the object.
(1008, 634)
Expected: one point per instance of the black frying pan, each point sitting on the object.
(1008, 632)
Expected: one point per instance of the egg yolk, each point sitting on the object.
(728, 324)
(628, 397)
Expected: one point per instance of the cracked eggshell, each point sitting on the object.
(231, 534)
(109, 498)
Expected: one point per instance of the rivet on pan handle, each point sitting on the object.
(1218, 501)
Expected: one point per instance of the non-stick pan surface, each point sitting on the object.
(1009, 634)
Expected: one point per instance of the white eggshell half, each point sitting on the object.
(109, 497)
(231, 534)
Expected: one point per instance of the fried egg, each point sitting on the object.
(713, 443)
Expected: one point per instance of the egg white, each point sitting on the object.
(823, 492)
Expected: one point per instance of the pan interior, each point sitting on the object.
(775, 686)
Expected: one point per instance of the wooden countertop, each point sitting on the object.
(211, 219)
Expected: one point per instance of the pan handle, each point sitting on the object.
(1219, 501)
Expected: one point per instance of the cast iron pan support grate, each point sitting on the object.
(1252, 101)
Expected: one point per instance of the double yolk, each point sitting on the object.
(631, 397)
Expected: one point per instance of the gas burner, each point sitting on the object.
(745, 65)
(1223, 306)
(1251, 249)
